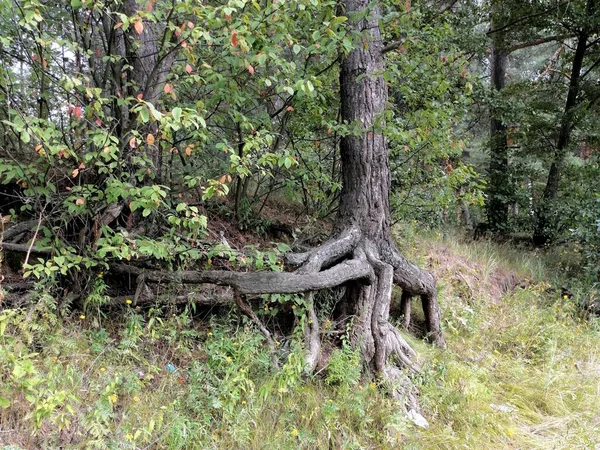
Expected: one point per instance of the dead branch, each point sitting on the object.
(18, 228)
(248, 311)
(25, 248)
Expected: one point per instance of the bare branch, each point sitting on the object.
(536, 42)
(391, 47)
(247, 310)
(25, 248)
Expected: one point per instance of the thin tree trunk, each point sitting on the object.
(150, 65)
(499, 191)
(545, 219)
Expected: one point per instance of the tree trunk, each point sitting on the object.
(545, 217)
(364, 202)
(499, 190)
(150, 61)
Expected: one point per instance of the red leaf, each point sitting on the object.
(77, 111)
(188, 68)
(133, 142)
(227, 17)
(168, 88)
(250, 69)
(139, 27)
(234, 40)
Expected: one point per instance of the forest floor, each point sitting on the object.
(521, 370)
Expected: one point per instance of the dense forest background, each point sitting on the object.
(186, 136)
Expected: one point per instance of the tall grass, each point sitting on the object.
(521, 371)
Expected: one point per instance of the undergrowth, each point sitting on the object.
(522, 370)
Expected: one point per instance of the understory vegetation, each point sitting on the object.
(521, 370)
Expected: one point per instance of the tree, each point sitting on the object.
(361, 252)
(499, 185)
(109, 156)
(546, 220)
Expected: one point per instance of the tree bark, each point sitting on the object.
(150, 61)
(364, 202)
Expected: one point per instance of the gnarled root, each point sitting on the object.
(388, 340)
(368, 270)
(415, 281)
(312, 338)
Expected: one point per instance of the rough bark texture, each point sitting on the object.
(364, 203)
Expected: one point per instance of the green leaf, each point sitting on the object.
(144, 115)
(4, 402)
(176, 113)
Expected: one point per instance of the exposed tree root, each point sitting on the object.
(327, 253)
(415, 281)
(262, 282)
(312, 338)
(405, 307)
(369, 271)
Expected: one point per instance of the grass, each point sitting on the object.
(521, 371)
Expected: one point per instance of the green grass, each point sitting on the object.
(521, 371)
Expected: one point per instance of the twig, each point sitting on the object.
(37, 229)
